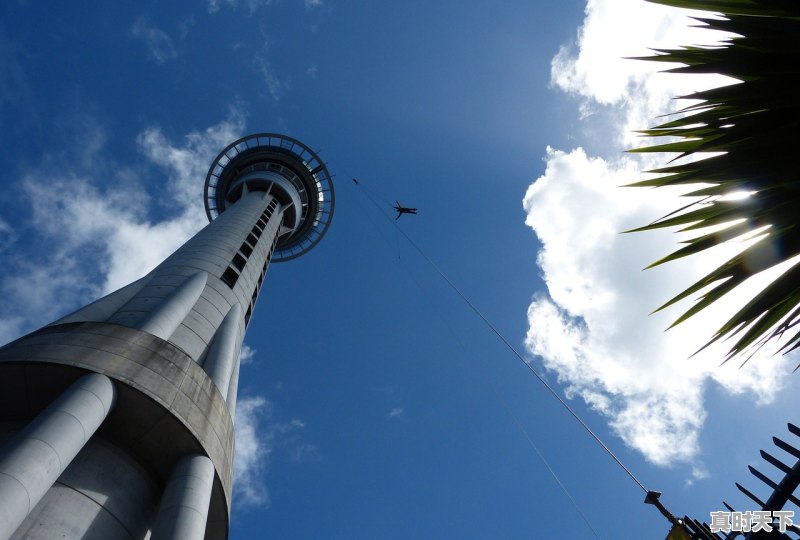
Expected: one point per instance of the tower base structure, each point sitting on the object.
(116, 421)
(165, 408)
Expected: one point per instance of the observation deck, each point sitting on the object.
(287, 169)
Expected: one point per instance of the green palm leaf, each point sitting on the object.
(752, 126)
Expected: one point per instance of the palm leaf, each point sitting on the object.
(752, 127)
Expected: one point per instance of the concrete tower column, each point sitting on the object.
(219, 363)
(34, 459)
(233, 391)
(165, 318)
(183, 511)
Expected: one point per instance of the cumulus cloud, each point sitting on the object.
(187, 164)
(251, 452)
(247, 354)
(592, 328)
(258, 435)
(597, 67)
(158, 42)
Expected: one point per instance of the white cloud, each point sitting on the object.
(614, 31)
(251, 452)
(158, 42)
(258, 435)
(396, 412)
(247, 354)
(593, 328)
(188, 164)
(310, 4)
(597, 68)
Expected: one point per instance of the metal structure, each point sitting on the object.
(116, 421)
(267, 158)
(781, 494)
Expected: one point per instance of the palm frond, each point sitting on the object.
(752, 127)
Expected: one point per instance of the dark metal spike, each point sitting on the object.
(704, 529)
(752, 497)
(769, 458)
(763, 477)
(794, 429)
(729, 507)
(786, 446)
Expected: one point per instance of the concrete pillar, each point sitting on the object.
(233, 388)
(222, 353)
(34, 459)
(183, 511)
(169, 314)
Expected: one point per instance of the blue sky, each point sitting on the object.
(373, 403)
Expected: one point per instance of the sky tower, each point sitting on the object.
(116, 421)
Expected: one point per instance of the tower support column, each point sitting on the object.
(34, 459)
(183, 511)
(221, 357)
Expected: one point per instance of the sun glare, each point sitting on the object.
(737, 195)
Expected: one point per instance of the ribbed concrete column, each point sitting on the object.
(222, 354)
(183, 511)
(233, 388)
(34, 459)
(164, 319)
